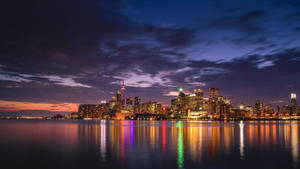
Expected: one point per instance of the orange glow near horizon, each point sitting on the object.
(19, 106)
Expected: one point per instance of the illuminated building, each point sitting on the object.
(179, 106)
(285, 110)
(195, 100)
(293, 99)
(92, 110)
(222, 108)
(277, 110)
(259, 107)
(268, 110)
(293, 107)
(195, 106)
(119, 99)
(213, 92)
(212, 102)
(129, 104)
(137, 105)
(113, 103)
(249, 110)
(129, 101)
(151, 107)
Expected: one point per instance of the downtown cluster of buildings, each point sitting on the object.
(185, 106)
(120, 108)
(195, 106)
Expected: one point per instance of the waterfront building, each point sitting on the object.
(258, 108)
(137, 105)
(195, 106)
(268, 110)
(92, 110)
(129, 101)
(213, 92)
(293, 106)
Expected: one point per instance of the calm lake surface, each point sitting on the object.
(148, 144)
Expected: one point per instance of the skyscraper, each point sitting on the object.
(213, 99)
(129, 101)
(293, 103)
(259, 108)
(119, 99)
(137, 105)
(198, 99)
(213, 92)
(293, 99)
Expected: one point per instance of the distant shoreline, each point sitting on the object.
(186, 120)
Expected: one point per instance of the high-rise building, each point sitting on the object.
(293, 99)
(293, 108)
(92, 110)
(213, 92)
(119, 99)
(137, 104)
(129, 101)
(212, 102)
(268, 110)
(198, 99)
(259, 107)
(277, 110)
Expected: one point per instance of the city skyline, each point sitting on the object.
(55, 55)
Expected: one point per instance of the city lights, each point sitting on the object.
(189, 106)
(293, 96)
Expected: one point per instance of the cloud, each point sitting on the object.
(68, 81)
(212, 71)
(8, 77)
(265, 64)
(54, 79)
(172, 93)
(143, 80)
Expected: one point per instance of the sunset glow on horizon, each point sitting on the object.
(19, 106)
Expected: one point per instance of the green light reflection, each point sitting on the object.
(180, 148)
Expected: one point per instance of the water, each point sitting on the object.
(148, 144)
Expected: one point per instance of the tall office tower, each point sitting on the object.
(277, 110)
(198, 99)
(213, 101)
(181, 102)
(293, 99)
(129, 101)
(293, 103)
(137, 105)
(258, 107)
(213, 92)
(120, 101)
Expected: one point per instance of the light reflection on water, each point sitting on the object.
(149, 144)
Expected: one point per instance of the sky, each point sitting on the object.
(56, 54)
